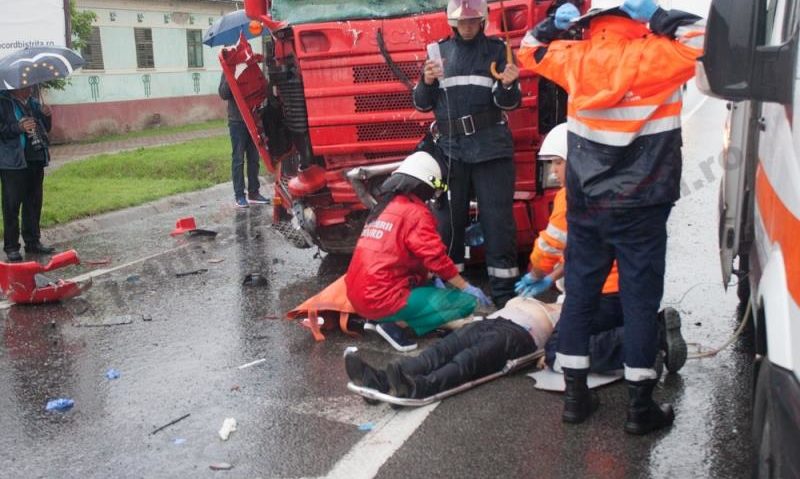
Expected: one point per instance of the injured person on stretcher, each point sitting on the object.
(481, 348)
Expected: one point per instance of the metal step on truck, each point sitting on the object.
(336, 115)
(751, 59)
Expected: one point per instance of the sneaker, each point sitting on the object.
(257, 199)
(14, 257)
(396, 336)
(362, 374)
(672, 341)
(241, 202)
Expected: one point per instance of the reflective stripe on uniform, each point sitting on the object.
(640, 374)
(629, 113)
(467, 80)
(504, 273)
(556, 233)
(622, 138)
(546, 248)
(460, 267)
(572, 362)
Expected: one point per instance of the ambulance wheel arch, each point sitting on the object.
(774, 305)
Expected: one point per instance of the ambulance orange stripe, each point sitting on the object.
(782, 227)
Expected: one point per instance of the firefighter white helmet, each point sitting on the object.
(466, 9)
(555, 143)
(422, 166)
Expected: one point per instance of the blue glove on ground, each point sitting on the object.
(565, 14)
(639, 10)
(537, 288)
(524, 283)
(478, 294)
(437, 281)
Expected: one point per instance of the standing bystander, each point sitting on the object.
(24, 153)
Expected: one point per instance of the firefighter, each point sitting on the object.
(388, 279)
(473, 139)
(623, 175)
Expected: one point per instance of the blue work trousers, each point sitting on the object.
(242, 145)
(637, 239)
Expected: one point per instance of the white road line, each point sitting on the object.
(685, 119)
(365, 458)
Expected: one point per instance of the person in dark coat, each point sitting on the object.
(242, 146)
(24, 153)
(473, 139)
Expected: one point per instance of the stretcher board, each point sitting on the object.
(549, 380)
(510, 366)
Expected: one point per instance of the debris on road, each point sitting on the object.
(228, 426)
(133, 279)
(24, 283)
(220, 466)
(175, 421)
(367, 426)
(216, 260)
(235, 388)
(99, 261)
(112, 374)
(190, 273)
(60, 404)
(178, 441)
(188, 226)
(254, 279)
(113, 321)
(253, 363)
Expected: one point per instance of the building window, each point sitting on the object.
(194, 45)
(144, 47)
(92, 52)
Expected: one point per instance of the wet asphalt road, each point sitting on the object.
(185, 337)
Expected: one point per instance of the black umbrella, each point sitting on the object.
(34, 65)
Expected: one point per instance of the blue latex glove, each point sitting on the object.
(478, 294)
(437, 281)
(640, 10)
(537, 288)
(524, 283)
(565, 15)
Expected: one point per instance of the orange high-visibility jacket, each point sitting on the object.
(623, 82)
(548, 249)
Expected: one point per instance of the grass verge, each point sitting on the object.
(166, 130)
(110, 182)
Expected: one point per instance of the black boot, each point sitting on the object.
(579, 401)
(400, 384)
(671, 340)
(644, 414)
(362, 374)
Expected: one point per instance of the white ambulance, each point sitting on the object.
(751, 59)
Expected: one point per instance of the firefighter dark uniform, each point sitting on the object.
(475, 145)
(623, 176)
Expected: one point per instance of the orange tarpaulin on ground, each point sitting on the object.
(331, 299)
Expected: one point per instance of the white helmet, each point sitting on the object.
(422, 166)
(555, 143)
(466, 9)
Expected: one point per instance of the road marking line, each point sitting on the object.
(694, 111)
(367, 456)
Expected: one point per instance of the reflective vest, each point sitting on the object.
(548, 249)
(623, 82)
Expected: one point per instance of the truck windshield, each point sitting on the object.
(303, 11)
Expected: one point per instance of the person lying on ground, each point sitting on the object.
(388, 280)
(479, 349)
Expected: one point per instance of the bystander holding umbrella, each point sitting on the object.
(226, 29)
(34, 65)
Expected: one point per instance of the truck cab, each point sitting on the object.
(751, 60)
(339, 115)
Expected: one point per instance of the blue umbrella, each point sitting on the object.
(226, 30)
(33, 65)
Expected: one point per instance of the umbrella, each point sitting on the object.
(226, 30)
(33, 65)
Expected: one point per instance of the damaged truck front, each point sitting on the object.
(338, 116)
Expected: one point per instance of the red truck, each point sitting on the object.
(337, 114)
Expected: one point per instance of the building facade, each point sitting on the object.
(145, 67)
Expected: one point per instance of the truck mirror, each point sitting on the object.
(773, 72)
(731, 37)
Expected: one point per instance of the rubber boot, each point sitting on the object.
(579, 401)
(644, 414)
(671, 341)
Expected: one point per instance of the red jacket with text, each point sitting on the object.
(395, 254)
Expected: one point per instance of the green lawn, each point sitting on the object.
(164, 130)
(111, 182)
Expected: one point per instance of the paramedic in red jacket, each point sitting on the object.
(400, 249)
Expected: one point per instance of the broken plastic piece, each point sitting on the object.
(228, 426)
(254, 279)
(112, 374)
(178, 441)
(60, 404)
(184, 225)
(20, 284)
(253, 363)
(200, 232)
(190, 273)
(174, 421)
(307, 181)
(367, 426)
(220, 466)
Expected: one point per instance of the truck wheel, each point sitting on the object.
(762, 463)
